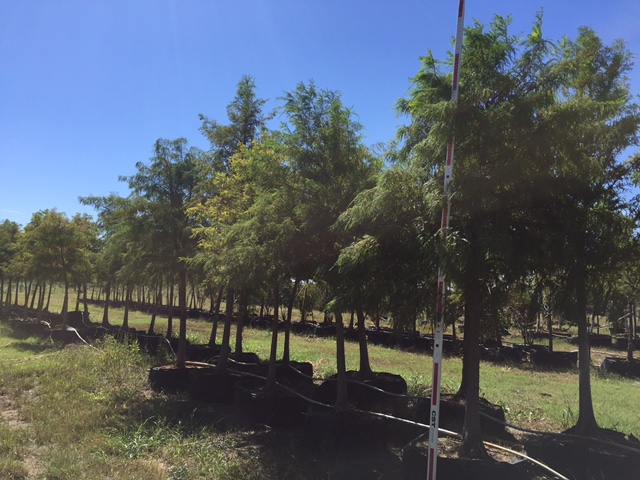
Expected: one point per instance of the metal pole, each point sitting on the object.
(438, 340)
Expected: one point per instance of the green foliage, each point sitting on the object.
(161, 191)
(324, 148)
(392, 266)
(9, 235)
(311, 296)
(246, 121)
(58, 248)
(54, 248)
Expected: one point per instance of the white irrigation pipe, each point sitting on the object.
(488, 444)
(434, 417)
(418, 424)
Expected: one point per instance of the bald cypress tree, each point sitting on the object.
(538, 180)
(594, 119)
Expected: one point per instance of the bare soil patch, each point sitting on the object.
(11, 416)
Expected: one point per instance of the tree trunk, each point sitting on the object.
(550, 329)
(472, 446)
(85, 304)
(154, 312)
(127, 306)
(365, 367)
(303, 312)
(46, 307)
(182, 305)
(242, 315)
(33, 296)
(216, 318)
(65, 303)
(170, 312)
(271, 375)
(226, 334)
(78, 298)
(9, 284)
(466, 356)
(105, 314)
(342, 399)
(27, 294)
(287, 323)
(586, 424)
(43, 288)
(632, 333)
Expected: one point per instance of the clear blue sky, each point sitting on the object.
(86, 87)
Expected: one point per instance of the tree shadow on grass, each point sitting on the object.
(27, 347)
(276, 452)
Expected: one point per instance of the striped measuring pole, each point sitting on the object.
(434, 418)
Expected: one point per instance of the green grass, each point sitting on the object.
(90, 411)
(91, 415)
(545, 400)
(13, 449)
(16, 349)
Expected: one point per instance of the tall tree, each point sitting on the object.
(9, 235)
(244, 225)
(60, 247)
(246, 121)
(538, 182)
(115, 218)
(161, 191)
(324, 148)
(511, 137)
(595, 120)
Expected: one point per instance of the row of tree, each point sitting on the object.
(543, 216)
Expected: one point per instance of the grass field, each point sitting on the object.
(85, 412)
(532, 398)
